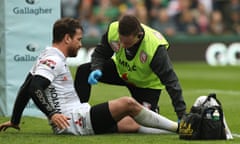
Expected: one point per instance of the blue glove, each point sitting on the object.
(94, 76)
(179, 120)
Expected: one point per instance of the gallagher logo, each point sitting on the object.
(32, 2)
(32, 47)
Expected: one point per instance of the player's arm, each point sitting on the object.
(33, 87)
(102, 52)
(163, 68)
(36, 91)
(20, 103)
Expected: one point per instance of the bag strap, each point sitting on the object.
(212, 95)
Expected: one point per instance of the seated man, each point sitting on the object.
(50, 85)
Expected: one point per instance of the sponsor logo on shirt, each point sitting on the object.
(125, 76)
(158, 35)
(143, 57)
(49, 63)
(81, 122)
(65, 78)
(55, 99)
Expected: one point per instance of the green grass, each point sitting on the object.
(196, 79)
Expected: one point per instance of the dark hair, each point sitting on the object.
(65, 26)
(128, 25)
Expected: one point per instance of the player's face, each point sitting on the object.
(128, 41)
(76, 43)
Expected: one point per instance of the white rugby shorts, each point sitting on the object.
(80, 122)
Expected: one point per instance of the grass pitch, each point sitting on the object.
(196, 79)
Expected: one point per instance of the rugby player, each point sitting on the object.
(50, 85)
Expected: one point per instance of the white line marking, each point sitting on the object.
(232, 92)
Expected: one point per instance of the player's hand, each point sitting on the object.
(8, 124)
(94, 76)
(60, 120)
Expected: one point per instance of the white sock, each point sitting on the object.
(149, 118)
(148, 130)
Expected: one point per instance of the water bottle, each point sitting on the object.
(216, 115)
(208, 115)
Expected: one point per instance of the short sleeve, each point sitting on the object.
(49, 67)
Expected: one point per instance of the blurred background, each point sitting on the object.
(191, 26)
(171, 17)
(204, 37)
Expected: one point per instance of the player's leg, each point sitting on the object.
(127, 106)
(129, 125)
(102, 120)
(147, 97)
(111, 76)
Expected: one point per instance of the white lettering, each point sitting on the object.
(220, 54)
(35, 11)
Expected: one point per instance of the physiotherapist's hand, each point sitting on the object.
(180, 115)
(94, 76)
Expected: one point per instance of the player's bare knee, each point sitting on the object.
(130, 102)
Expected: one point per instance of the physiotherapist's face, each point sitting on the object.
(128, 41)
